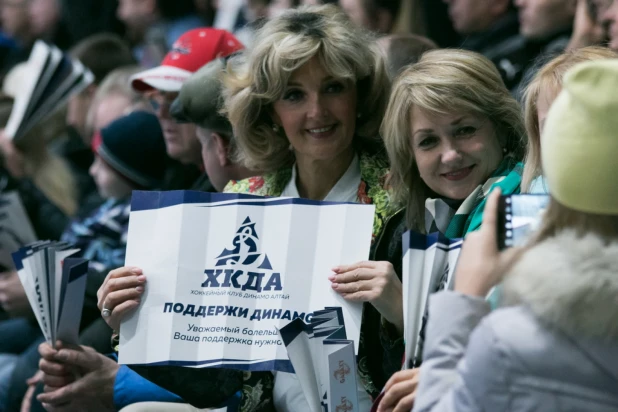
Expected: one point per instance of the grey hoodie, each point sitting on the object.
(554, 348)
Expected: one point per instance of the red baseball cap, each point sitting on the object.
(191, 51)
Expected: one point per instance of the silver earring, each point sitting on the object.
(276, 128)
(505, 150)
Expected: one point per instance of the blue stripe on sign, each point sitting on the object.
(292, 330)
(274, 365)
(143, 200)
(18, 257)
(77, 268)
(418, 241)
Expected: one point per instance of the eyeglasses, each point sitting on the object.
(159, 100)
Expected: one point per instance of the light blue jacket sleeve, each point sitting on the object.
(130, 387)
(457, 363)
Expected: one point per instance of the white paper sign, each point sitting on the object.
(225, 272)
(55, 284)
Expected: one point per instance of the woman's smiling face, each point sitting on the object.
(454, 153)
(317, 112)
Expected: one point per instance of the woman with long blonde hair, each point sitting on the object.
(538, 97)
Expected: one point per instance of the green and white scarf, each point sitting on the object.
(468, 217)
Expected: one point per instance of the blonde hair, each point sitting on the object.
(442, 82)
(116, 82)
(550, 77)
(558, 217)
(258, 77)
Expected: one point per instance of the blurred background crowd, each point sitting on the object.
(77, 172)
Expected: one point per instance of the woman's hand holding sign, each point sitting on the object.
(373, 282)
(120, 293)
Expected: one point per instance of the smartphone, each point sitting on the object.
(519, 217)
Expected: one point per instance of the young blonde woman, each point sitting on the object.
(453, 134)
(538, 97)
(556, 346)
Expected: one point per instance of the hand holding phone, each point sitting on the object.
(519, 217)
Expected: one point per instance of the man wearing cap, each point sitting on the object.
(162, 84)
(199, 102)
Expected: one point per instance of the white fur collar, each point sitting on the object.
(569, 282)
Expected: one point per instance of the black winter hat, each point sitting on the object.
(133, 146)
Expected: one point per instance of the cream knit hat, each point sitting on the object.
(579, 145)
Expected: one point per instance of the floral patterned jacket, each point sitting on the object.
(386, 351)
(374, 170)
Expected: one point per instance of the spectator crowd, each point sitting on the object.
(428, 109)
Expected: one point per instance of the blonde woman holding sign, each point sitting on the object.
(306, 103)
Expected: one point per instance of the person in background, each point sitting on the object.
(610, 20)
(46, 23)
(199, 101)
(101, 54)
(538, 98)
(161, 85)
(67, 22)
(546, 26)
(376, 15)
(43, 179)
(403, 50)
(84, 18)
(547, 22)
(554, 344)
(112, 98)
(449, 149)
(492, 29)
(588, 28)
(153, 26)
(14, 20)
(118, 169)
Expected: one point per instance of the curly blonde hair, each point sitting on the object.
(258, 77)
(549, 78)
(442, 82)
